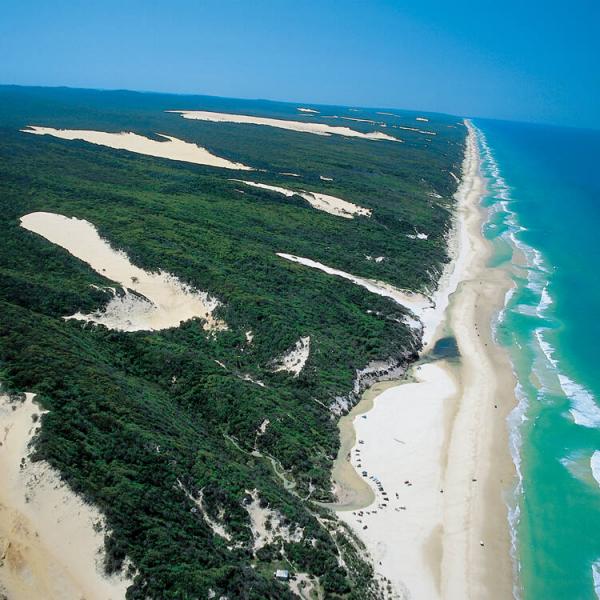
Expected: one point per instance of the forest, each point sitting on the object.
(142, 423)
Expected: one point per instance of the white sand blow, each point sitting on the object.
(324, 202)
(172, 149)
(306, 127)
(415, 302)
(51, 542)
(165, 301)
(295, 358)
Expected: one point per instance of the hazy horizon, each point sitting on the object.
(301, 102)
(507, 62)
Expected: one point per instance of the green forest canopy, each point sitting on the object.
(114, 398)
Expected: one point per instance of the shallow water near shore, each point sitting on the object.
(544, 189)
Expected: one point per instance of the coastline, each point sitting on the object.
(446, 435)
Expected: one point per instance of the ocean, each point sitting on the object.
(544, 224)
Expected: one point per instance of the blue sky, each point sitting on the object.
(511, 59)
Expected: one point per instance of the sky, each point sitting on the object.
(508, 59)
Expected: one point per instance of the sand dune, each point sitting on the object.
(172, 149)
(51, 542)
(324, 202)
(162, 301)
(307, 127)
(415, 302)
(415, 129)
(295, 358)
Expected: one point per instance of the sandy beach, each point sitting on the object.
(434, 450)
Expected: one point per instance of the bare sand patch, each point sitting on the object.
(160, 300)
(417, 235)
(295, 358)
(267, 525)
(415, 302)
(51, 541)
(326, 203)
(415, 129)
(217, 527)
(172, 148)
(306, 127)
(362, 120)
(306, 587)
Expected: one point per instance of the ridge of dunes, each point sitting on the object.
(306, 127)
(172, 149)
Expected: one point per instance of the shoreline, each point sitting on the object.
(446, 435)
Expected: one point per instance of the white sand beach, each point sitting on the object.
(440, 439)
(51, 542)
(162, 301)
(172, 148)
(326, 203)
(303, 126)
(411, 449)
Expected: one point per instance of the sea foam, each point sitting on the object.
(537, 363)
(584, 409)
(518, 415)
(595, 466)
(596, 577)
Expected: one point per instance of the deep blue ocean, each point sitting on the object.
(544, 200)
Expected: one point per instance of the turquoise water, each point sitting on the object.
(544, 200)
